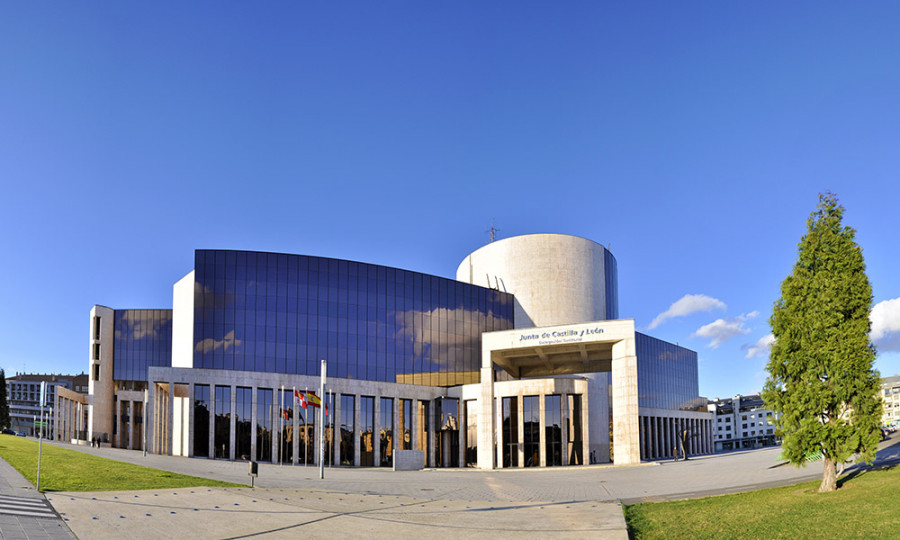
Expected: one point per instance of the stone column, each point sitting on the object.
(486, 417)
(625, 403)
(232, 436)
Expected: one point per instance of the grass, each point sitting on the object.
(69, 470)
(865, 506)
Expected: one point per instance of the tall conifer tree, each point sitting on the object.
(821, 376)
(4, 403)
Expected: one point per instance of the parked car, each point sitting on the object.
(8, 431)
(21, 434)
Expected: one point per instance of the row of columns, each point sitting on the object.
(660, 436)
(162, 424)
(542, 444)
(71, 421)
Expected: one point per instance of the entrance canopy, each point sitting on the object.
(556, 350)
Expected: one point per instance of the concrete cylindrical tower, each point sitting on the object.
(556, 278)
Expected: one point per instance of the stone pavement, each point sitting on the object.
(289, 500)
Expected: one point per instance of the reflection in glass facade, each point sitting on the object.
(553, 430)
(531, 421)
(265, 414)
(286, 421)
(575, 442)
(423, 419)
(223, 421)
(201, 420)
(386, 433)
(471, 433)
(405, 424)
(143, 338)
(667, 375)
(510, 432)
(446, 449)
(366, 431)
(611, 286)
(348, 426)
(242, 416)
(284, 313)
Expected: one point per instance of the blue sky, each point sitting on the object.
(692, 139)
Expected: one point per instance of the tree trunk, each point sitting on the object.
(829, 476)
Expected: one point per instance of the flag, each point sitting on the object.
(286, 414)
(300, 397)
(313, 399)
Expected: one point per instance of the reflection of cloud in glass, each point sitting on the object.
(139, 327)
(411, 326)
(210, 344)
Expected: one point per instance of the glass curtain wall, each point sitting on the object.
(386, 432)
(243, 411)
(283, 313)
(423, 420)
(265, 421)
(575, 443)
(201, 420)
(471, 433)
(510, 432)
(553, 431)
(329, 428)
(446, 449)
(405, 424)
(531, 420)
(348, 428)
(307, 426)
(223, 422)
(366, 431)
(286, 424)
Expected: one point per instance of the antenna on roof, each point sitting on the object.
(493, 230)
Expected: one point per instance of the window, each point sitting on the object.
(96, 372)
(743, 426)
(744, 417)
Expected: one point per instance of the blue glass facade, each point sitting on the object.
(667, 375)
(284, 313)
(143, 338)
(612, 285)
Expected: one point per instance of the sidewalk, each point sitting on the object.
(558, 502)
(21, 508)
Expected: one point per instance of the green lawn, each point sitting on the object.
(68, 470)
(866, 506)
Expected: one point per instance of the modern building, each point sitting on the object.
(890, 397)
(743, 422)
(520, 361)
(23, 393)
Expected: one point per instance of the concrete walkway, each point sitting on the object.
(575, 502)
(24, 513)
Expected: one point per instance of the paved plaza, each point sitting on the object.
(287, 501)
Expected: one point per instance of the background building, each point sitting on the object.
(23, 394)
(890, 396)
(520, 361)
(743, 422)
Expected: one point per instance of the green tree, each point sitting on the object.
(4, 403)
(821, 377)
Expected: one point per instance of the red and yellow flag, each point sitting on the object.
(300, 397)
(313, 399)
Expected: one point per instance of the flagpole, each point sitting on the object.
(306, 429)
(293, 418)
(281, 427)
(322, 423)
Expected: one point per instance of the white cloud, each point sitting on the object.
(721, 330)
(885, 319)
(761, 347)
(686, 305)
